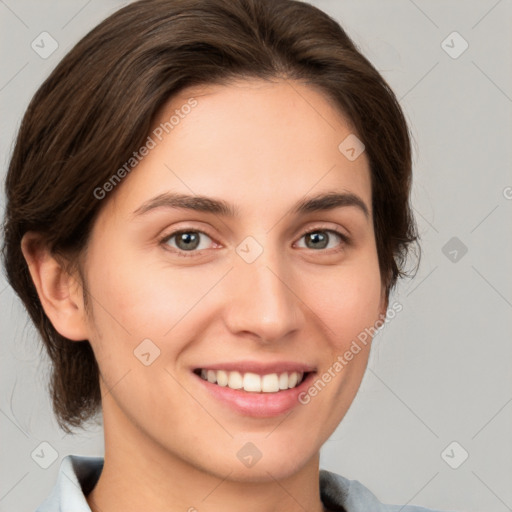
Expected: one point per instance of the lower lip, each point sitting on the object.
(258, 405)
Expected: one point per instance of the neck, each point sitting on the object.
(139, 474)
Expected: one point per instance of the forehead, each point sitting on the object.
(253, 143)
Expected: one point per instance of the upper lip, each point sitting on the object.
(259, 367)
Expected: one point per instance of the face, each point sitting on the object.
(268, 296)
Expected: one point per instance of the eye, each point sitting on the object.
(187, 240)
(320, 238)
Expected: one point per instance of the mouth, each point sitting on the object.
(252, 382)
(255, 389)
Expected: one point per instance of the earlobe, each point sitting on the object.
(59, 292)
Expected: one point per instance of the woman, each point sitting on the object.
(207, 205)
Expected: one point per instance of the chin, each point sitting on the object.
(273, 465)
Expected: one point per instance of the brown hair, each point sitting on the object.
(97, 107)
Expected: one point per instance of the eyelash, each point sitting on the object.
(163, 241)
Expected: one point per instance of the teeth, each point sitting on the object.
(270, 383)
(252, 382)
(235, 380)
(222, 378)
(283, 381)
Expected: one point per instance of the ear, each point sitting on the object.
(60, 293)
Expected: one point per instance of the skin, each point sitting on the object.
(169, 446)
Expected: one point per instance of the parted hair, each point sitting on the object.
(97, 106)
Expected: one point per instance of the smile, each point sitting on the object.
(255, 389)
(252, 382)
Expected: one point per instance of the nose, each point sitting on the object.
(262, 300)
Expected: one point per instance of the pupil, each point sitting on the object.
(315, 237)
(188, 239)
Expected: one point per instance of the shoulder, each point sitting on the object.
(341, 494)
(76, 478)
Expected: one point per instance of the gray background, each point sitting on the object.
(440, 370)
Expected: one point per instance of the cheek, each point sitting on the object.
(143, 297)
(347, 301)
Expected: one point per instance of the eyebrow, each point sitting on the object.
(320, 202)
